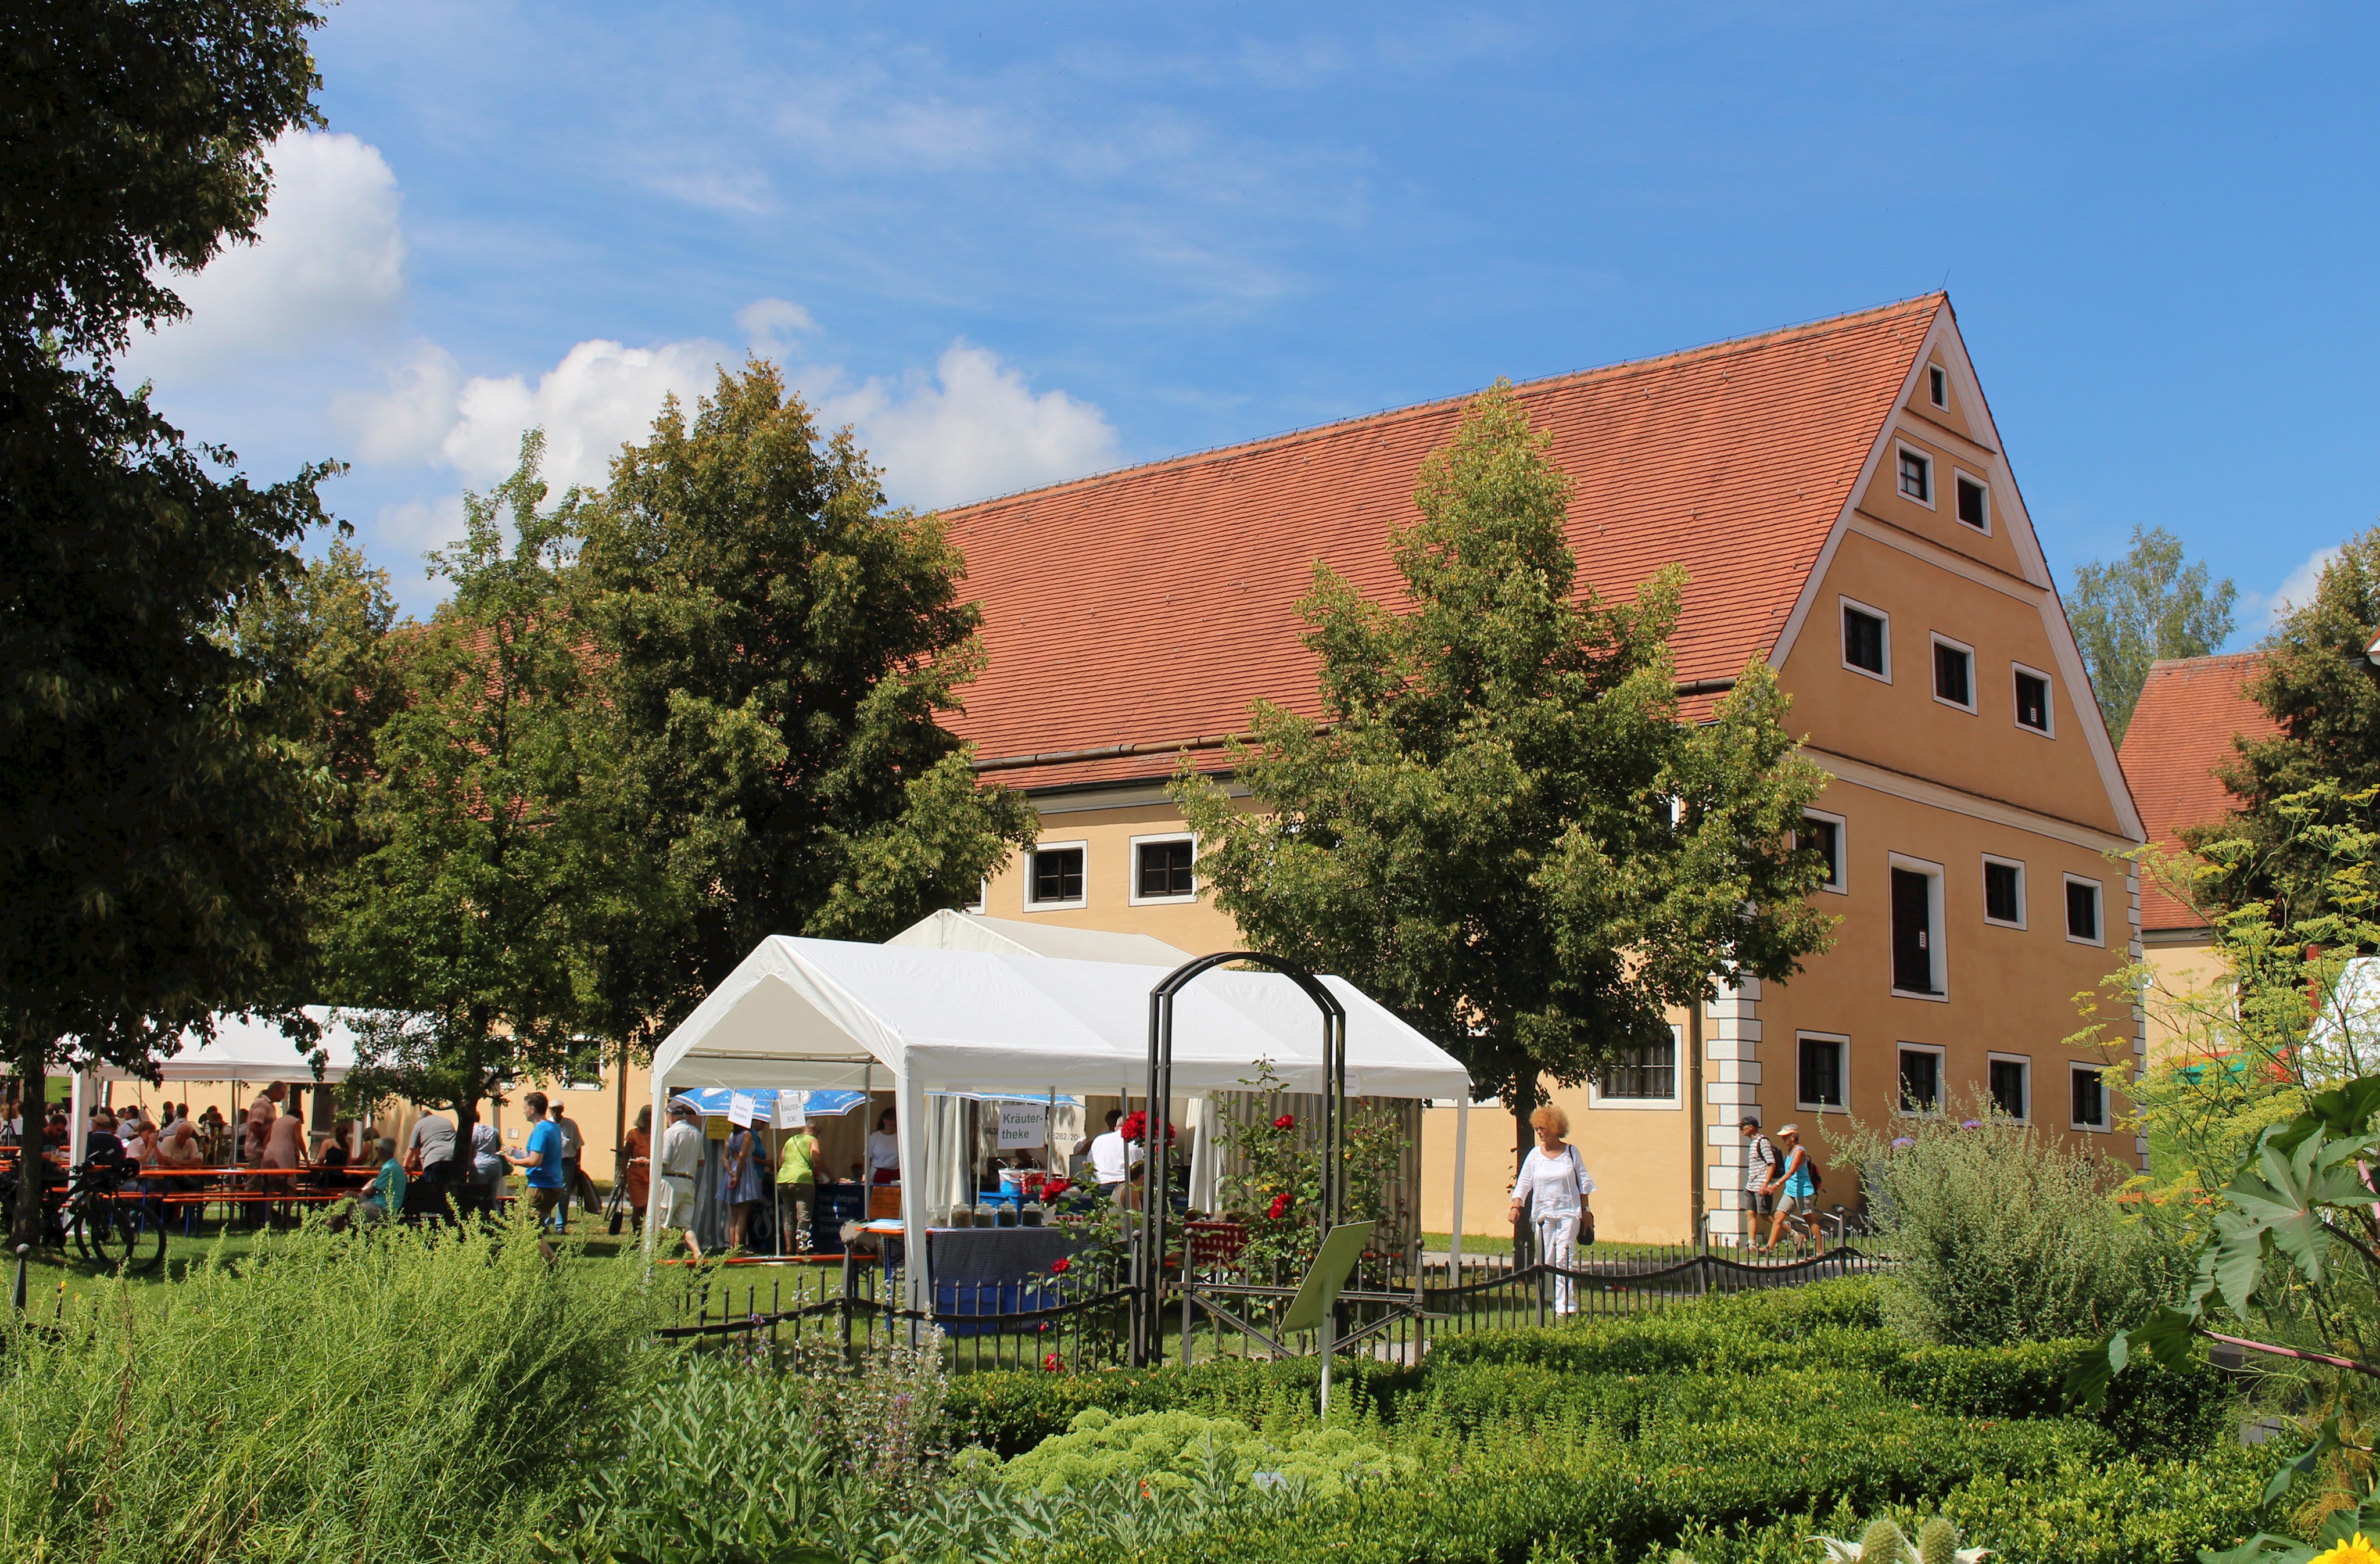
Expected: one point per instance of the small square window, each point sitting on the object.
(1975, 503)
(1057, 875)
(1917, 476)
(1937, 385)
(2003, 892)
(1164, 870)
(1649, 1072)
(1954, 674)
(2033, 700)
(2082, 919)
(2012, 1087)
(2090, 1097)
(1920, 1079)
(1821, 1082)
(1864, 645)
(1824, 837)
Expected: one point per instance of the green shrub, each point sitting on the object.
(2003, 1233)
(1008, 1412)
(395, 1395)
(2151, 1410)
(1172, 1450)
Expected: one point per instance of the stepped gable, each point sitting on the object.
(2181, 734)
(1153, 605)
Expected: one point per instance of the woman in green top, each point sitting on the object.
(796, 1189)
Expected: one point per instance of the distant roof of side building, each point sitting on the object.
(2180, 735)
(1144, 608)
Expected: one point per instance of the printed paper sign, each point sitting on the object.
(1024, 1125)
(714, 1127)
(793, 1109)
(741, 1109)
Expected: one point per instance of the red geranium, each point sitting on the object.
(1051, 1363)
(1054, 1188)
(1136, 1128)
(1279, 1204)
(1286, 1121)
(1060, 1265)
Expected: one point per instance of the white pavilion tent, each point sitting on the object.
(832, 1014)
(258, 1050)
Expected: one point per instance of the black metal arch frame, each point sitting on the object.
(1149, 1260)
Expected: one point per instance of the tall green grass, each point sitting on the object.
(399, 1395)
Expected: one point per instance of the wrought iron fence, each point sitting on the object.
(1394, 1307)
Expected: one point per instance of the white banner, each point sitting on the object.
(1024, 1125)
(793, 1109)
(741, 1109)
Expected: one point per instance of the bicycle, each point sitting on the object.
(87, 1209)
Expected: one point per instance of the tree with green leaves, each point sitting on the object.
(468, 924)
(2317, 684)
(777, 650)
(2127, 613)
(1503, 828)
(151, 812)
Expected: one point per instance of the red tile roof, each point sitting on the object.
(2180, 733)
(1152, 605)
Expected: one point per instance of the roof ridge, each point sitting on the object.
(1818, 327)
(2252, 654)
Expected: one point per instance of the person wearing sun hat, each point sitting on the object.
(681, 1155)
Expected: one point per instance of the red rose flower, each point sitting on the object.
(1055, 1188)
(1060, 1265)
(1050, 1362)
(1280, 1204)
(1286, 1121)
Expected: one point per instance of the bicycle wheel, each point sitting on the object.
(142, 1227)
(97, 1235)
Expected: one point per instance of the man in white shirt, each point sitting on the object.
(1113, 1158)
(681, 1157)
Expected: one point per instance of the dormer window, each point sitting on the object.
(1937, 385)
(1916, 476)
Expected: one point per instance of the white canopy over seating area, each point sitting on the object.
(926, 1019)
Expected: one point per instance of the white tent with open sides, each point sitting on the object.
(831, 1014)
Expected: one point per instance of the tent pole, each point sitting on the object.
(1461, 1167)
(909, 1095)
(78, 1115)
(653, 1186)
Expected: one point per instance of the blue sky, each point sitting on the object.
(1016, 243)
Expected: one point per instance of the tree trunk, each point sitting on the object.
(1524, 1102)
(33, 1097)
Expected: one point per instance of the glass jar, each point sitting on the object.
(1032, 1215)
(986, 1217)
(961, 1215)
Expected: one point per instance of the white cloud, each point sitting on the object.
(770, 324)
(328, 261)
(2296, 590)
(975, 427)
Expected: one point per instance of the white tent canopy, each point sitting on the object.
(246, 1049)
(831, 1014)
(947, 930)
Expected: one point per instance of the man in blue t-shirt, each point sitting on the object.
(542, 1156)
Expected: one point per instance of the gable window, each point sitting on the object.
(1867, 641)
(2004, 891)
(1921, 1078)
(1056, 876)
(1937, 385)
(1823, 834)
(1917, 476)
(1164, 868)
(2090, 1089)
(2082, 912)
(1646, 1073)
(2011, 1086)
(1954, 673)
(1975, 503)
(2033, 700)
(1822, 1079)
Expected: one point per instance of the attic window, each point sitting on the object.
(1917, 476)
(2033, 700)
(1975, 503)
(1937, 385)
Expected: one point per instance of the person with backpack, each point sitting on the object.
(1552, 1188)
(1760, 1168)
(1795, 1187)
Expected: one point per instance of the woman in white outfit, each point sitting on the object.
(1553, 1186)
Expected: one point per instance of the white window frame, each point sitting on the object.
(2048, 701)
(1841, 884)
(2099, 899)
(1845, 653)
(1932, 502)
(982, 903)
(1842, 1040)
(1132, 867)
(1933, 680)
(2018, 865)
(2025, 1059)
(2107, 1118)
(1960, 475)
(1941, 1080)
(1038, 849)
(1598, 1102)
(1937, 385)
(1934, 946)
